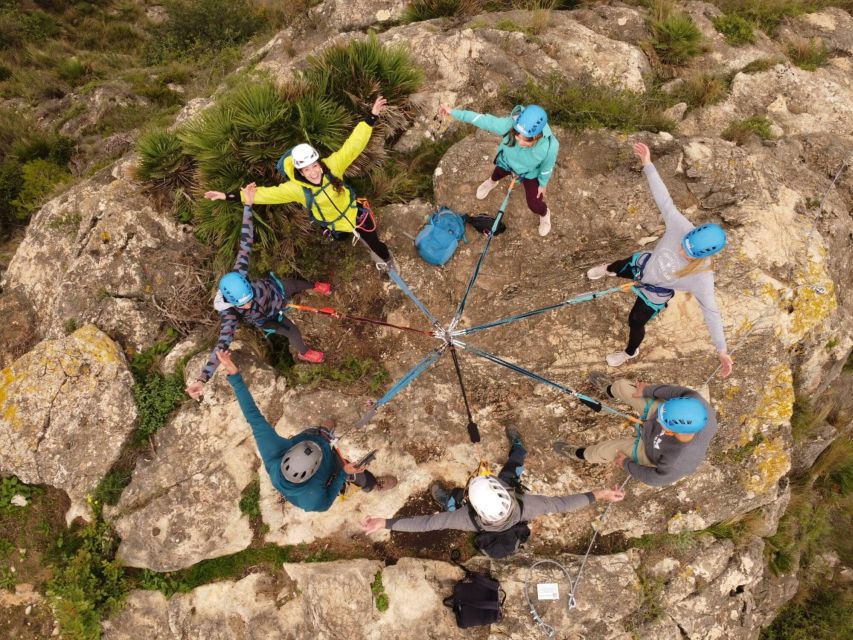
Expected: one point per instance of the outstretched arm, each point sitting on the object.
(227, 328)
(459, 519)
(341, 159)
(247, 237)
(484, 121)
(667, 208)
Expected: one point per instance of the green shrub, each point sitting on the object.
(162, 161)
(72, 70)
(759, 65)
(428, 9)
(765, 14)
(585, 105)
(39, 177)
(202, 26)
(9, 488)
(736, 29)
(250, 501)
(702, 89)
(808, 54)
(380, 598)
(5, 73)
(156, 395)
(38, 25)
(676, 38)
(741, 131)
(825, 615)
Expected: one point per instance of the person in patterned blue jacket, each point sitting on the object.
(260, 302)
(306, 469)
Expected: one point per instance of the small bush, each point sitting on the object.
(5, 73)
(676, 38)
(156, 395)
(11, 487)
(825, 615)
(38, 25)
(71, 70)
(586, 105)
(808, 54)
(250, 501)
(380, 598)
(39, 177)
(736, 29)
(162, 161)
(740, 132)
(419, 10)
(759, 65)
(702, 89)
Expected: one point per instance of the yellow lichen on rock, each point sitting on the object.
(771, 462)
(810, 307)
(775, 405)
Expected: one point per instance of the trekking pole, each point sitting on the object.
(461, 308)
(473, 430)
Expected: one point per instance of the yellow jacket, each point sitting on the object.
(328, 202)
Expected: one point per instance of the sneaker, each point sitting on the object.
(513, 435)
(567, 450)
(385, 483)
(313, 356)
(620, 357)
(486, 188)
(598, 272)
(440, 495)
(601, 381)
(545, 224)
(323, 288)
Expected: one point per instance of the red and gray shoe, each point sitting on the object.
(323, 288)
(313, 356)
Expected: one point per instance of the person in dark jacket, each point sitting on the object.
(493, 501)
(306, 469)
(673, 441)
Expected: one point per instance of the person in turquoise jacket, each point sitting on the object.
(528, 149)
(306, 469)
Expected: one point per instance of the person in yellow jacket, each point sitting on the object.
(317, 184)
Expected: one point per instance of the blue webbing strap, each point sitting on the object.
(489, 237)
(392, 273)
(431, 358)
(584, 297)
(592, 403)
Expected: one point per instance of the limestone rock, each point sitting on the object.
(66, 408)
(343, 15)
(182, 505)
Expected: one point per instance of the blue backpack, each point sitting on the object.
(437, 241)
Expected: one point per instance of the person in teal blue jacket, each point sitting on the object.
(306, 469)
(528, 149)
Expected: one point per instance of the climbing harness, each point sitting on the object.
(547, 629)
(583, 297)
(461, 308)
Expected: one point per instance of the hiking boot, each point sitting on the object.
(567, 450)
(598, 272)
(313, 356)
(486, 188)
(323, 288)
(513, 435)
(601, 381)
(385, 483)
(620, 357)
(545, 223)
(440, 494)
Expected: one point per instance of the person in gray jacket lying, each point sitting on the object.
(493, 504)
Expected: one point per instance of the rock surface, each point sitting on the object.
(66, 409)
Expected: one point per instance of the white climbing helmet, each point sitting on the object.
(489, 498)
(301, 461)
(304, 155)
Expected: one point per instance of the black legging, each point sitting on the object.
(640, 313)
(371, 239)
(285, 327)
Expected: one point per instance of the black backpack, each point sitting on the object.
(502, 544)
(477, 598)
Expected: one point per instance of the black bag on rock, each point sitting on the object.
(477, 599)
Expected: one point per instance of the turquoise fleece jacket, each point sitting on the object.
(320, 490)
(536, 162)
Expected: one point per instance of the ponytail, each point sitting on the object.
(695, 265)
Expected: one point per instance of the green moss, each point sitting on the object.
(380, 598)
(250, 500)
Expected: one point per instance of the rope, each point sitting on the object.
(547, 629)
(461, 308)
(392, 273)
(473, 431)
(592, 403)
(584, 297)
(430, 359)
(344, 316)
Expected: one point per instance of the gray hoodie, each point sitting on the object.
(666, 261)
(532, 506)
(672, 458)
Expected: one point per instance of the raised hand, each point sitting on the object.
(249, 193)
(643, 153)
(195, 390)
(609, 495)
(379, 106)
(226, 361)
(444, 110)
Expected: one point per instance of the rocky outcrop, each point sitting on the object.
(101, 253)
(66, 409)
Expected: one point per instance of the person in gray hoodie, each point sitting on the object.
(673, 441)
(679, 262)
(493, 504)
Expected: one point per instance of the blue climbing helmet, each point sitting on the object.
(235, 288)
(704, 241)
(683, 415)
(530, 121)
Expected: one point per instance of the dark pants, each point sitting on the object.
(365, 480)
(531, 190)
(371, 239)
(640, 313)
(283, 326)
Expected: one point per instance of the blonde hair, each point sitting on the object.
(695, 265)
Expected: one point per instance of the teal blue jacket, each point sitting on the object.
(320, 490)
(528, 162)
